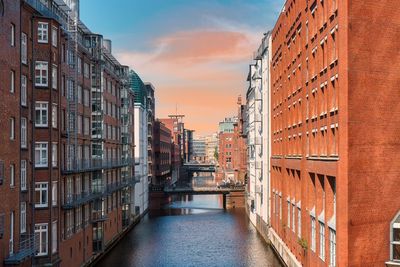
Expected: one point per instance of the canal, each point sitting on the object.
(192, 231)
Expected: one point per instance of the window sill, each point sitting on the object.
(41, 207)
(322, 158)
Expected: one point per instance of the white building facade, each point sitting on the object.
(258, 137)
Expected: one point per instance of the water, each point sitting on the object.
(193, 231)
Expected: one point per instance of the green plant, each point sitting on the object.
(303, 243)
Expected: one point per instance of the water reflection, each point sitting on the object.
(193, 231)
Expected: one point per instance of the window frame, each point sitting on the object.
(39, 106)
(394, 225)
(54, 77)
(43, 68)
(12, 81)
(39, 229)
(24, 91)
(12, 128)
(43, 188)
(54, 36)
(24, 48)
(23, 175)
(23, 218)
(43, 32)
(24, 133)
(41, 149)
(12, 41)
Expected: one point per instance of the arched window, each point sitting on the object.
(395, 239)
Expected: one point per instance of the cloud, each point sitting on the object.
(196, 47)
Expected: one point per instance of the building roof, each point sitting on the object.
(138, 87)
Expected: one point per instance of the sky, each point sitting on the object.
(195, 52)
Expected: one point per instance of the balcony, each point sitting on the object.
(25, 251)
(87, 165)
(99, 216)
(76, 200)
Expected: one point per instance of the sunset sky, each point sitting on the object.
(195, 52)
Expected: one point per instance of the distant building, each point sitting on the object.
(150, 130)
(199, 149)
(211, 148)
(163, 154)
(226, 126)
(189, 145)
(141, 142)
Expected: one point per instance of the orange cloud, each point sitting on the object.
(199, 46)
(202, 72)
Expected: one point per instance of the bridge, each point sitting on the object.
(193, 167)
(187, 190)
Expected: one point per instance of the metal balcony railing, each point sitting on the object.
(76, 200)
(26, 250)
(86, 165)
(99, 216)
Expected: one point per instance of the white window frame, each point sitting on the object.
(54, 154)
(23, 175)
(42, 107)
(54, 115)
(54, 75)
(313, 234)
(12, 128)
(395, 224)
(332, 248)
(24, 132)
(54, 194)
(12, 43)
(23, 218)
(43, 32)
(299, 222)
(54, 36)
(43, 241)
(12, 175)
(24, 48)
(54, 237)
(42, 188)
(12, 222)
(24, 92)
(12, 81)
(322, 241)
(41, 73)
(288, 214)
(42, 161)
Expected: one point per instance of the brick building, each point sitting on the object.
(334, 192)
(66, 175)
(163, 151)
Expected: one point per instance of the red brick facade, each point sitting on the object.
(332, 84)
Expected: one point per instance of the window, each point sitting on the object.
(322, 240)
(12, 175)
(332, 247)
(293, 218)
(41, 114)
(12, 233)
(12, 81)
(12, 128)
(12, 35)
(299, 222)
(54, 115)
(54, 77)
(43, 32)
(69, 222)
(79, 65)
(313, 234)
(41, 73)
(395, 239)
(54, 36)
(86, 126)
(24, 48)
(24, 142)
(41, 154)
(41, 195)
(54, 237)
(54, 194)
(23, 90)
(86, 98)
(288, 214)
(86, 70)
(23, 218)
(79, 94)
(54, 154)
(23, 175)
(42, 236)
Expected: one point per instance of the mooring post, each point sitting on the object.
(224, 201)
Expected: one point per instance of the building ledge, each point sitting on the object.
(323, 158)
(392, 263)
